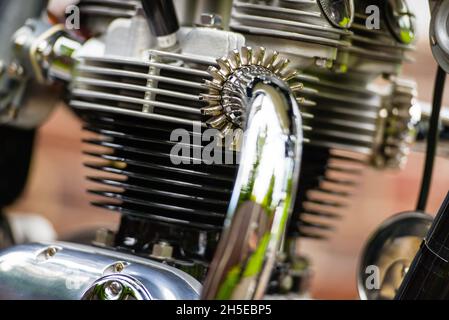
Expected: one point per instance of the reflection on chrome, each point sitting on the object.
(262, 198)
(64, 271)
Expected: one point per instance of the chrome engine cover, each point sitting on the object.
(63, 271)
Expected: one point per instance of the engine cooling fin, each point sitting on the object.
(318, 200)
(109, 8)
(345, 116)
(131, 109)
(296, 20)
(377, 43)
(194, 196)
(169, 91)
(328, 179)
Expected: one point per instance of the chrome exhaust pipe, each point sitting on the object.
(266, 183)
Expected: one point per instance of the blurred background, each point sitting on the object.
(57, 187)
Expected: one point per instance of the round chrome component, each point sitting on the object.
(439, 33)
(64, 271)
(388, 254)
(339, 12)
(116, 287)
(261, 201)
(400, 20)
(226, 92)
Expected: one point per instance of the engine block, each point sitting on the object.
(169, 100)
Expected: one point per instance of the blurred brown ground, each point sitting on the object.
(57, 191)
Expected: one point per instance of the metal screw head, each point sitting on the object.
(287, 283)
(15, 70)
(323, 63)
(118, 267)
(211, 20)
(113, 290)
(51, 251)
(116, 287)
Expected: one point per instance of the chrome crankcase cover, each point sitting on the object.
(66, 271)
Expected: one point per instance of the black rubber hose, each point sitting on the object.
(432, 139)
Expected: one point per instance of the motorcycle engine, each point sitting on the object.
(150, 78)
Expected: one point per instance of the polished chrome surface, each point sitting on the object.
(229, 84)
(439, 32)
(391, 249)
(122, 76)
(45, 51)
(22, 104)
(42, 55)
(340, 13)
(66, 271)
(266, 183)
(401, 21)
(117, 287)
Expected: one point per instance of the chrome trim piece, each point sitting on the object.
(63, 271)
(266, 183)
(391, 249)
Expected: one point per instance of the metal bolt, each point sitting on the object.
(51, 251)
(211, 20)
(287, 283)
(113, 290)
(383, 113)
(118, 267)
(323, 63)
(15, 70)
